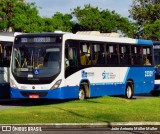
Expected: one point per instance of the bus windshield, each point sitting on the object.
(36, 61)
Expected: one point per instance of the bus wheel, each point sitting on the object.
(155, 92)
(129, 91)
(82, 94)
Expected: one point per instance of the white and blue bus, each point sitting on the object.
(156, 91)
(6, 42)
(82, 65)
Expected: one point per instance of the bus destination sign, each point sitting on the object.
(38, 39)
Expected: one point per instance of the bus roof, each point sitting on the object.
(8, 36)
(108, 37)
(95, 36)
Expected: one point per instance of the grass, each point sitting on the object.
(95, 110)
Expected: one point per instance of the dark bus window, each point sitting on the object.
(147, 56)
(124, 52)
(85, 53)
(70, 55)
(5, 54)
(112, 54)
(136, 52)
(98, 55)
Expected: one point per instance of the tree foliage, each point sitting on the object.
(93, 18)
(62, 22)
(19, 16)
(24, 17)
(146, 15)
(58, 21)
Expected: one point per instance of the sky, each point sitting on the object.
(48, 8)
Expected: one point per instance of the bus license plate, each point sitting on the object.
(33, 96)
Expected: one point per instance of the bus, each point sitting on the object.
(156, 45)
(63, 65)
(6, 42)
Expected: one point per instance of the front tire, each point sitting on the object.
(129, 91)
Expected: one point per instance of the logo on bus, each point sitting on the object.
(87, 74)
(108, 75)
(105, 75)
(84, 74)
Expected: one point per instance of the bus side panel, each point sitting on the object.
(110, 89)
(149, 73)
(69, 92)
(143, 79)
(102, 80)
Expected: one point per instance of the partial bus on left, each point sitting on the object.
(6, 42)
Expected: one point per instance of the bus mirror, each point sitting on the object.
(144, 51)
(148, 51)
(135, 50)
(84, 48)
(70, 54)
(111, 49)
(96, 48)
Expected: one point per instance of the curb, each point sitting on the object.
(90, 125)
(110, 126)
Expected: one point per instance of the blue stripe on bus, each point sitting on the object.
(72, 92)
(145, 42)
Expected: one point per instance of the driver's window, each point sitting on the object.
(70, 55)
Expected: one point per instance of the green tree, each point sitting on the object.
(146, 15)
(58, 21)
(62, 22)
(88, 17)
(93, 18)
(19, 16)
(152, 30)
(48, 25)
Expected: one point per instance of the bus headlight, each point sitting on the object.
(56, 85)
(12, 84)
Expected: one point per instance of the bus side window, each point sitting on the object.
(125, 55)
(70, 57)
(85, 54)
(83, 58)
(5, 53)
(98, 54)
(112, 54)
(147, 58)
(136, 52)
